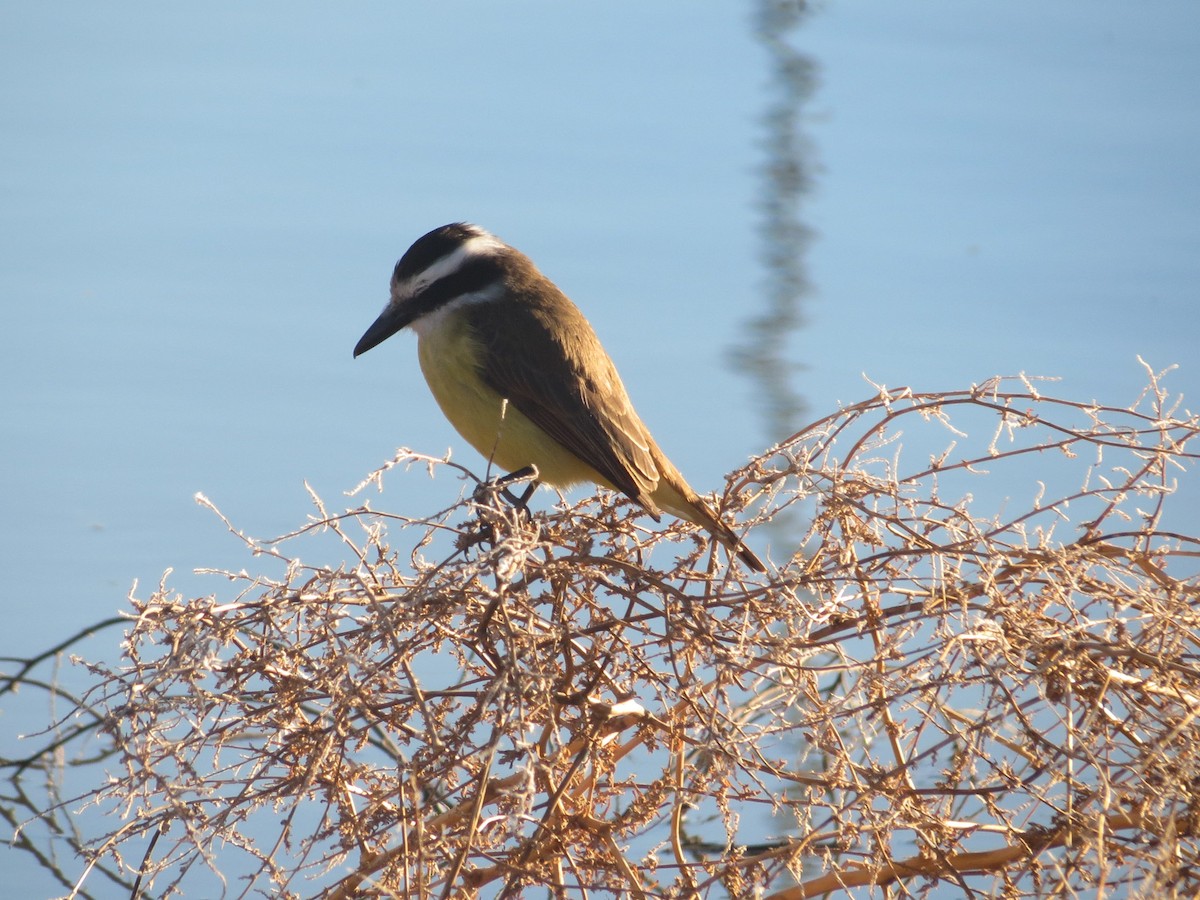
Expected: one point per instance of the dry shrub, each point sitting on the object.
(974, 672)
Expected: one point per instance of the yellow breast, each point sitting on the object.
(450, 359)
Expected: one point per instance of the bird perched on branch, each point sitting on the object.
(520, 373)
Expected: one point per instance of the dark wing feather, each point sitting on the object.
(540, 371)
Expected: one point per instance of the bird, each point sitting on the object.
(519, 372)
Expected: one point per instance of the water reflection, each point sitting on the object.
(765, 353)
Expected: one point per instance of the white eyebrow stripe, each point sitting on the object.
(480, 245)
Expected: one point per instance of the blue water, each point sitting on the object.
(201, 213)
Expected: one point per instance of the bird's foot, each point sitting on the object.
(493, 516)
(520, 503)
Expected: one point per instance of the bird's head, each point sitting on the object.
(455, 264)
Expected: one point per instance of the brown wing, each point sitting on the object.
(563, 381)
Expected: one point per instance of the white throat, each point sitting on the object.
(434, 321)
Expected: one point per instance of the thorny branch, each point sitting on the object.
(974, 671)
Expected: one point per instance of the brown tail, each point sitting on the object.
(725, 535)
(691, 507)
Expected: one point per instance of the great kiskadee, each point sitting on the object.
(520, 373)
